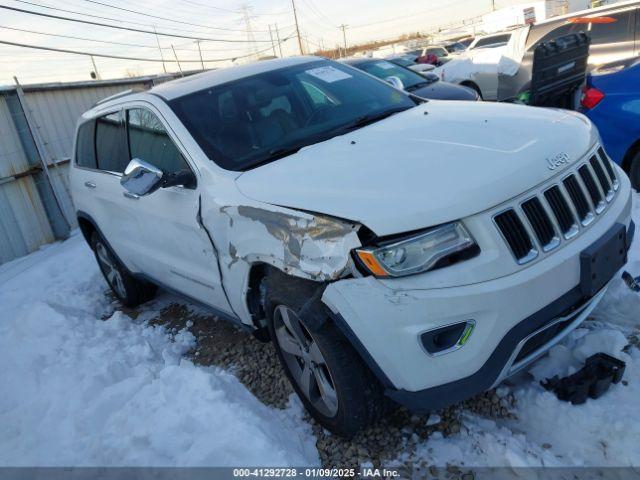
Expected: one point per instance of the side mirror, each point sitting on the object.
(395, 82)
(141, 178)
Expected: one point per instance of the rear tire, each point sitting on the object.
(130, 291)
(634, 172)
(334, 384)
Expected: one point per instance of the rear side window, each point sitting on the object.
(111, 148)
(498, 39)
(85, 151)
(614, 28)
(150, 141)
(604, 29)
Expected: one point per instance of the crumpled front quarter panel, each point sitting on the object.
(246, 232)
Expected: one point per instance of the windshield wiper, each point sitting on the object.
(365, 120)
(412, 88)
(275, 154)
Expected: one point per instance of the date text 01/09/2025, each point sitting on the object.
(365, 472)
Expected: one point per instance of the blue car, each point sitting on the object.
(611, 99)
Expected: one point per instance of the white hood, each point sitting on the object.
(435, 163)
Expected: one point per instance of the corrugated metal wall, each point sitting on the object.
(54, 111)
(23, 222)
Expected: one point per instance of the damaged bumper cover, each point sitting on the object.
(517, 319)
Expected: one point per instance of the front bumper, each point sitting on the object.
(384, 319)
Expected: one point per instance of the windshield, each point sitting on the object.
(455, 47)
(260, 118)
(403, 61)
(384, 69)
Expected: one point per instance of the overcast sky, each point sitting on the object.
(211, 19)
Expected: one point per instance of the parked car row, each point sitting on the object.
(611, 97)
(499, 65)
(424, 86)
(409, 61)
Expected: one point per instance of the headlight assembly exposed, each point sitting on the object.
(419, 253)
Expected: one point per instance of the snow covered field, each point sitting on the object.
(82, 385)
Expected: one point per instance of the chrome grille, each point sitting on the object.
(542, 222)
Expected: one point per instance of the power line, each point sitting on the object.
(102, 17)
(110, 42)
(137, 59)
(77, 38)
(40, 5)
(131, 29)
(403, 17)
(321, 16)
(190, 2)
(165, 18)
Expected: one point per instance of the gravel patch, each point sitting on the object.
(256, 365)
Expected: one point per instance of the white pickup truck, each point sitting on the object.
(395, 250)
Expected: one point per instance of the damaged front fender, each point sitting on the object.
(306, 245)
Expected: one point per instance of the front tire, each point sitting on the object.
(130, 291)
(334, 384)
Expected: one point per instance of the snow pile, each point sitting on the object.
(77, 390)
(549, 432)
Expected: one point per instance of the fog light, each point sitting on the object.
(447, 339)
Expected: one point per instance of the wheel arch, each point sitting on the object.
(87, 226)
(473, 85)
(633, 150)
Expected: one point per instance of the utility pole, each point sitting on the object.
(95, 68)
(295, 17)
(246, 14)
(160, 50)
(177, 61)
(273, 45)
(279, 42)
(493, 5)
(343, 27)
(200, 52)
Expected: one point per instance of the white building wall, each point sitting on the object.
(511, 16)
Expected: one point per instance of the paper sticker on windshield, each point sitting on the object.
(384, 65)
(328, 74)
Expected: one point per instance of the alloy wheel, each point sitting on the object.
(306, 363)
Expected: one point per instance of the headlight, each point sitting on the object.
(420, 253)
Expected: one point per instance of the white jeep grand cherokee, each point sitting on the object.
(394, 250)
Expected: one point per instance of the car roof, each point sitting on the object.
(591, 11)
(194, 83)
(358, 60)
(495, 34)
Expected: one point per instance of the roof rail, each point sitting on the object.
(119, 95)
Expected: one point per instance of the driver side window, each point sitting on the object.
(150, 141)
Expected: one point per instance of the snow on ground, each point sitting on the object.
(548, 432)
(79, 390)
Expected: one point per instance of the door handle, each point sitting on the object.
(89, 184)
(130, 195)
